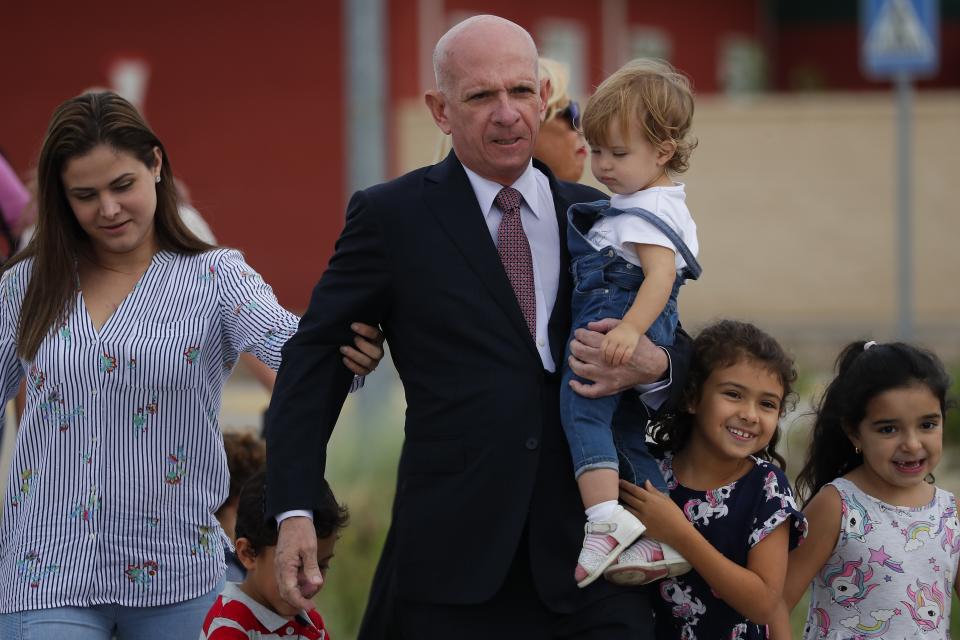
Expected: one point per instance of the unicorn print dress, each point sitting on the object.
(891, 572)
(733, 518)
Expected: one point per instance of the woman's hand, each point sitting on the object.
(664, 519)
(367, 353)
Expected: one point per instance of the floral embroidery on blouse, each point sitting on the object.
(34, 570)
(85, 508)
(142, 573)
(176, 467)
(27, 476)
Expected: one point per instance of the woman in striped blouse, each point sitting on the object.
(125, 327)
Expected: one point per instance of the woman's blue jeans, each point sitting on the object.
(104, 622)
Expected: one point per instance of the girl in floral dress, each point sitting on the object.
(722, 470)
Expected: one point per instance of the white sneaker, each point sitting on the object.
(645, 561)
(603, 542)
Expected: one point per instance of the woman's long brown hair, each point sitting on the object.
(76, 127)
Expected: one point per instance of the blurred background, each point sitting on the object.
(273, 113)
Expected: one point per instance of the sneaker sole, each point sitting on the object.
(611, 558)
(633, 576)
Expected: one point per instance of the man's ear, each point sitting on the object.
(246, 553)
(437, 104)
(665, 152)
(546, 92)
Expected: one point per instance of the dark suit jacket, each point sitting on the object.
(484, 455)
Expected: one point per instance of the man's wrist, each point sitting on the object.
(295, 513)
(654, 394)
(667, 375)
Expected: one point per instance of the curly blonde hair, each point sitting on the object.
(651, 93)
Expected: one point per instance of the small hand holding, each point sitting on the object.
(664, 519)
(619, 343)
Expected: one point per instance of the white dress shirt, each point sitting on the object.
(539, 219)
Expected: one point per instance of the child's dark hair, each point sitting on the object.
(328, 518)
(864, 371)
(724, 344)
(246, 455)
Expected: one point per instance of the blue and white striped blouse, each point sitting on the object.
(119, 463)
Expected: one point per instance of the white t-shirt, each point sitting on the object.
(625, 230)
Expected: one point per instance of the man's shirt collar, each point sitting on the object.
(487, 190)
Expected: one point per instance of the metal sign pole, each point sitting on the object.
(904, 230)
(900, 39)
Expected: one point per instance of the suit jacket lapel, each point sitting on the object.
(449, 196)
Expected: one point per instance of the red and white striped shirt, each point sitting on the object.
(237, 616)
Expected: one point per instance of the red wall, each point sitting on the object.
(403, 66)
(527, 14)
(696, 27)
(246, 96)
(831, 53)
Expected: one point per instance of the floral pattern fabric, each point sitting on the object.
(733, 518)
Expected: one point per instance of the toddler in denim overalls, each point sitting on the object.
(629, 258)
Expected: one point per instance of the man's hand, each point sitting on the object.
(368, 352)
(295, 562)
(648, 364)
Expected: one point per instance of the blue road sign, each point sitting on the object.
(899, 37)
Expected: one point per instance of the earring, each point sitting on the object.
(856, 450)
(157, 179)
(929, 479)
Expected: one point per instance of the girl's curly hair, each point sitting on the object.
(724, 344)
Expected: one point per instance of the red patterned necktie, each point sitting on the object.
(514, 252)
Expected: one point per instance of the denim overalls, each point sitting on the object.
(605, 286)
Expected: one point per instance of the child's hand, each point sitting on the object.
(664, 519)
(618, 345)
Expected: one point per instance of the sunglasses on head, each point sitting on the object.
(571, 113)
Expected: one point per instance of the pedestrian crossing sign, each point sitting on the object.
(899, 37)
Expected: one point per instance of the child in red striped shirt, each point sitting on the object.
(254, 608)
